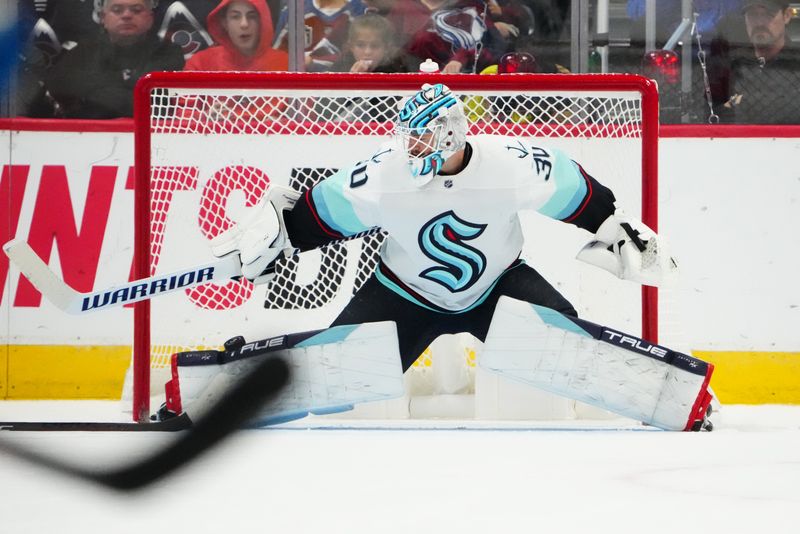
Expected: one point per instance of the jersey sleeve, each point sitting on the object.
(563, 190)
(338, 207)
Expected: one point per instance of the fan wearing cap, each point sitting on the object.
(761, 83)
(766, 22)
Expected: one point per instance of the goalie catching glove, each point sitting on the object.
(630, 250)
(260, 238)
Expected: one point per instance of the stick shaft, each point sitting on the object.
(71, 301)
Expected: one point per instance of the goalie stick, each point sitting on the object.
(232, 411)
(69, 300)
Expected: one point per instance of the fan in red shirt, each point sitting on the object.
(243, 32)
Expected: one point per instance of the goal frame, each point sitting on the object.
(647, 88)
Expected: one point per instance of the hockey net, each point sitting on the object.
(208, 145)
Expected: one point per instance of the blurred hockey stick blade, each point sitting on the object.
(232, 412)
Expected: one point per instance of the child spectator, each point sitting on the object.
(371, 47)
(326, 23)
(243, 31)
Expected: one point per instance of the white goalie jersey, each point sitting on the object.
(450, 240)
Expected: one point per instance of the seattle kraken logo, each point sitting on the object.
(442, 240)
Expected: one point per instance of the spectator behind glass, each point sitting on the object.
(95, 79)
(178, 21)
(371, 47)
(460, 35)
(758, 83)
(243, 31)
(413, 20)
(325, 23)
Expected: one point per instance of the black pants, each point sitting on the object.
(418, 327)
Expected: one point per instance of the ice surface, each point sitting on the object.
(381, 477)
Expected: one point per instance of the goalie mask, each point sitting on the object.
(431, 127)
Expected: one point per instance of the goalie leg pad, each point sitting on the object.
(597, 365)
(331, 370)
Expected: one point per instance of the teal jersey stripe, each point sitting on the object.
(333, 207)
(559, 320)
(331, 335)
(570, 191)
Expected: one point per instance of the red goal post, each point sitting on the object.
(300, 116)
